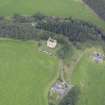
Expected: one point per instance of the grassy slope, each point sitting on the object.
(74, 8)
(90, 76)
(25, 73)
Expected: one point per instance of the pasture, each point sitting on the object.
(89, 76)
(66, 8)
(25, 73)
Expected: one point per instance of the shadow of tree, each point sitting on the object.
(72, 97)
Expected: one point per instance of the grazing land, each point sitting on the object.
(25, 73)
(66, 8)
(89, 76)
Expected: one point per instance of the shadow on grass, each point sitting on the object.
(72, 97)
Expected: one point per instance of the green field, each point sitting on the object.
(73, 8)
(89, 76)
(25, 73)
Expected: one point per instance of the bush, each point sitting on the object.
(72, 97)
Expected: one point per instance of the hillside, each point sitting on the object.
(66, 8)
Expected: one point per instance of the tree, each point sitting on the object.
(63, 51)
(72, 97)
(75, 30)
(38, 16)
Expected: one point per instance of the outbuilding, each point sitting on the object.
(51, 43)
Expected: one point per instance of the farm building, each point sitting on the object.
(51, 43)
(98, 57)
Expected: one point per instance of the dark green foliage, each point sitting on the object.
(98, 6)
(39, 43)
(22, 31)
(75, 30)
(72, 97)
(1, 18)
(62, 29)
(63, 51)
(38, 16)
(22, 19)
(104, 48)
(51, 104)
(77, 44)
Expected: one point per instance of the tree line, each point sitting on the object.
(40, 26)
(98, 6)
(75, 30)
(72, 97)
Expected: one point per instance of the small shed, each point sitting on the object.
(51, 43)
(98, 57)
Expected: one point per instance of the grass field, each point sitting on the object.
(90, 77)
(25, 73)
(73, 8)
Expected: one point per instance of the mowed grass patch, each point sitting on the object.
(25, 73)
(90, 77)
(66, 8)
